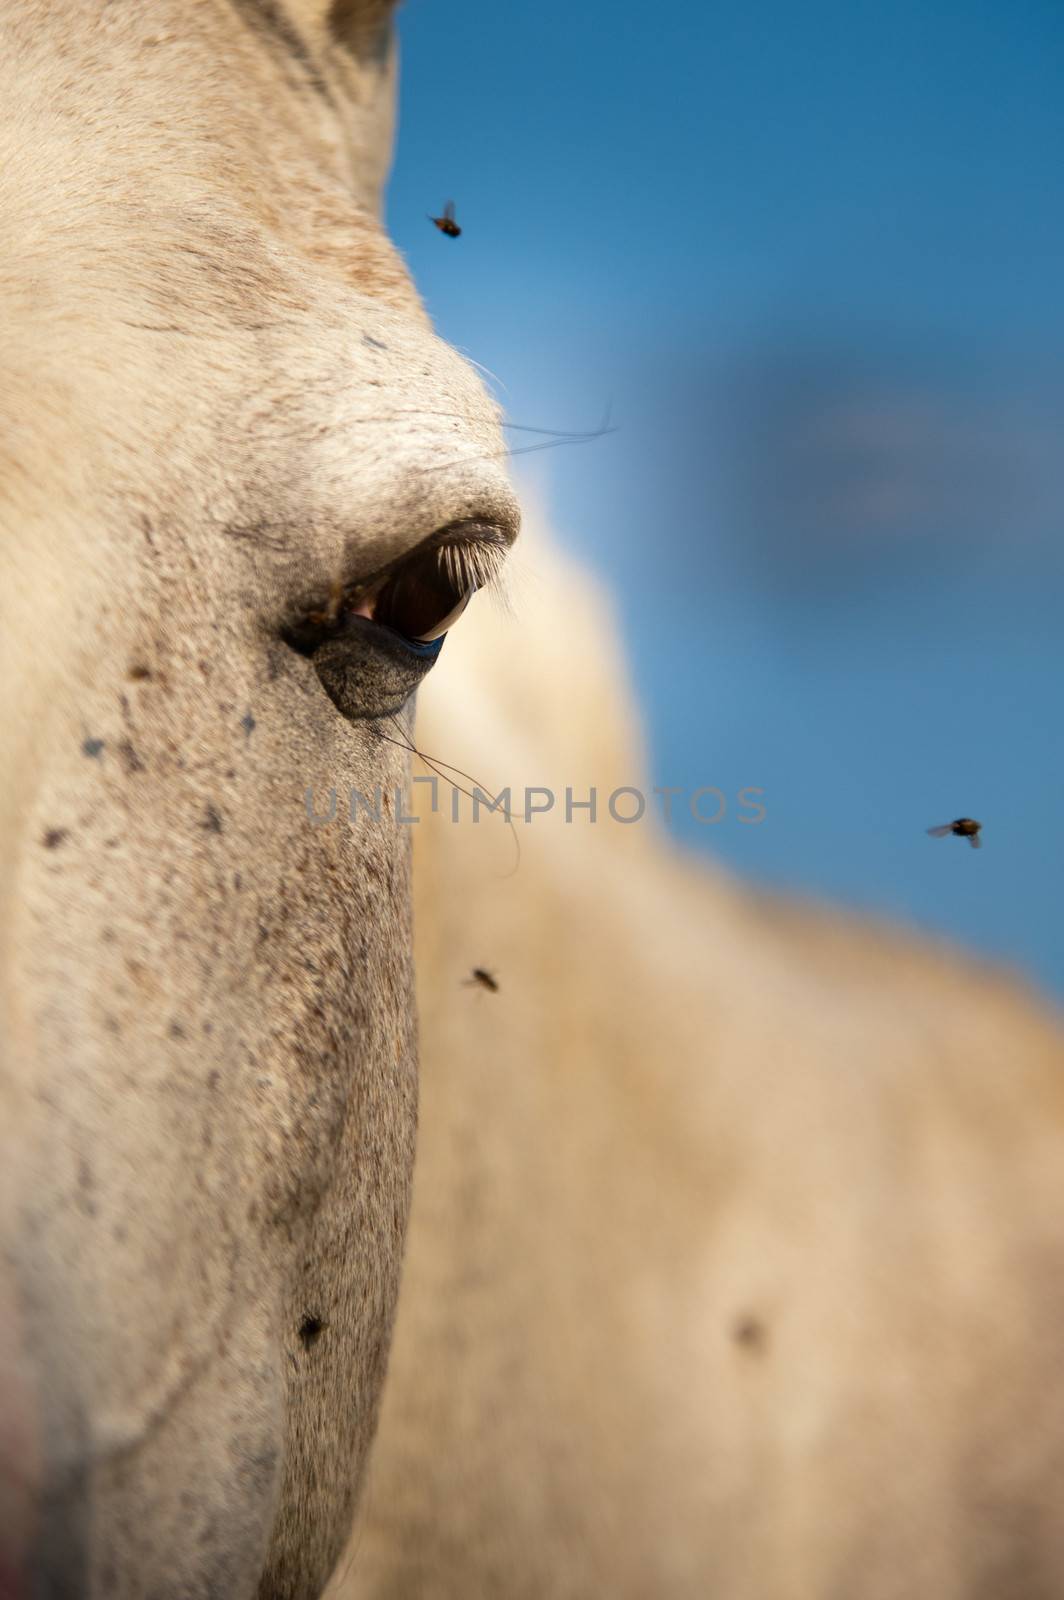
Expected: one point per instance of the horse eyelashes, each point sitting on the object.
(429, 592)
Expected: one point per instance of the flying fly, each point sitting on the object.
(446, 223)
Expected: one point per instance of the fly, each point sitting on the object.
(446, 223)
(963, 827)
(481, 978)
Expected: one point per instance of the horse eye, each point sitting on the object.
(423, 597)
(416, 600)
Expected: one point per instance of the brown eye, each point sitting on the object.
(426, 592)
(424, 596)
(413, 602)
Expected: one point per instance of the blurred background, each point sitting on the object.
(811, 256)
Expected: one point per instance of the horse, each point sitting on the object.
(733, 1263)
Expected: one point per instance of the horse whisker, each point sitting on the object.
(436, 765)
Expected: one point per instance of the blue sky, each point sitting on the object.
(813, 255)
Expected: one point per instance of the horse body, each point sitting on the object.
(735, 1258)
(735, 1250)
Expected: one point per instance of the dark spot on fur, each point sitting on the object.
(214, 1078)
(213, 822)
(208, 1536)
(310, 1330)
(175, 1030)
(247, 722)
(111, 1024)
(751, 1334)
(129, 758)
(238, 882)
(260, 1467)
(142, 976)
(54, 837)
(139, 673)
(93, 748)
(145, 528)
(375, 344)
(257, 533)
(85, 1178)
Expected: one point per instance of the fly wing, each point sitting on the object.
(975, 841)
(941, 832)
(448, 211)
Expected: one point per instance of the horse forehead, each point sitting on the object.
(247, 310)
(181, 210)
(196, 148)
(280, 341)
